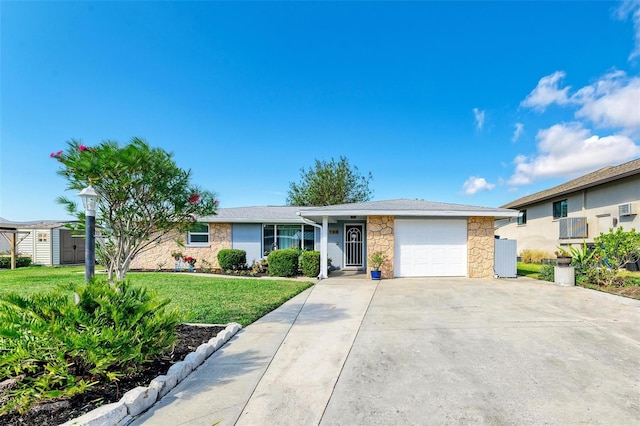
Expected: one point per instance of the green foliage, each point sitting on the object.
(603, 277)
(283, 263)
(547, 273)
(21, 262)
(582, 258)
(330, 183)
(232, 259)
(144, 195)
(53, 346)
(618, 247)
(376, 260)
(310, 263)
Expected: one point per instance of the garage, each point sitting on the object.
(430, 247)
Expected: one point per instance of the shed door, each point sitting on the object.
(430, 247)
(71, 248)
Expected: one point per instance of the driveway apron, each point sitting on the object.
(420, 352)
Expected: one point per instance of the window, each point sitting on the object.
(276, 237)
(560, 209)
(42, 237)
(522, 217)
(198, 235)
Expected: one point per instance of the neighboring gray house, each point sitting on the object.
(576, 211)
(420, 238)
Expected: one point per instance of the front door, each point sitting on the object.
(71, 248)
(353, 246)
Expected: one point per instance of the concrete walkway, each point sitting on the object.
(423, 351)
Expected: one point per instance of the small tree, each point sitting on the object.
(330, 183)
(144, 196)
(617, 248)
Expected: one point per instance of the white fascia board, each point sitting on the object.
(416, 213)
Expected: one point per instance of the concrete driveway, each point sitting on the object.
(420, 352)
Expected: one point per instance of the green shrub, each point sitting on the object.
(283, 263)
(21, 262)
(604, 277)
(547, 273)
(310, 263)
(52, 347)
(232, 259)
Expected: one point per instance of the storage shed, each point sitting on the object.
(51, 244)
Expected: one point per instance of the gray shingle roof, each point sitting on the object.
(599, 177)
(255, 214)
(399, 204)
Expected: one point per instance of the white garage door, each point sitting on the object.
(430, 248)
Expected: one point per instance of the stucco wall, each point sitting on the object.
(159, 257)
(380, 237)
(480, 247)
(599, 205)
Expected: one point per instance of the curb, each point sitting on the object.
(140, 399)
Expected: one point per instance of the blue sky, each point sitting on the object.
(466, 102)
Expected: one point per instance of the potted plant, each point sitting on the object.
(192, 263)
(376, 260)
(177, 256)
(563, 257)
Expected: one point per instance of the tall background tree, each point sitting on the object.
(144, 196)
(330, 183)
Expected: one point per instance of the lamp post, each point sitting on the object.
(89, 200)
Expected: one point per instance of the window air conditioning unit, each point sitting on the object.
(627, 209)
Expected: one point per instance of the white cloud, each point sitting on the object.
(612, 101)
(479, 116)
(517, 132)
(632, 7)
(568, 150)
(547, 92)
(475, 184)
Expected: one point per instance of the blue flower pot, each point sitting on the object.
(376, 275)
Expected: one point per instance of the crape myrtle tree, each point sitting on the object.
(144, 196)
(330, 183)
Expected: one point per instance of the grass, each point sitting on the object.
(201, 299)
(531, 270)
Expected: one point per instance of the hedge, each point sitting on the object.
(232, 259)
(5, 262)
(310, 263)
(283, 263)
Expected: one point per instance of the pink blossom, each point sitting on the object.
(216, 202)
(56, 154)
(194, 198)
(82, 148)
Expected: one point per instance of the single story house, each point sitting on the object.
(420, 238)
(50, 243)
(576, 211)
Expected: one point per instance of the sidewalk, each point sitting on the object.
(309, 336)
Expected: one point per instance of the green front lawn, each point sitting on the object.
(531, 270)
(201, 299)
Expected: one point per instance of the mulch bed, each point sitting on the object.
(57, 412)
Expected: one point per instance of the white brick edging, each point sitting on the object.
(140, 399)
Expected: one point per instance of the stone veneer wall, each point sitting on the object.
(219, 238)
(480, 247)
(380, 237)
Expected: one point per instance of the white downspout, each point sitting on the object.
(324, 245)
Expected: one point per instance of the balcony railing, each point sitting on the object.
(573, 227)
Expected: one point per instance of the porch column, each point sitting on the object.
(324, 247)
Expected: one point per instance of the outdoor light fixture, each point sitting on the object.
(89, 200)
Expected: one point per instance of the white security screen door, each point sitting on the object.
(353, 246)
